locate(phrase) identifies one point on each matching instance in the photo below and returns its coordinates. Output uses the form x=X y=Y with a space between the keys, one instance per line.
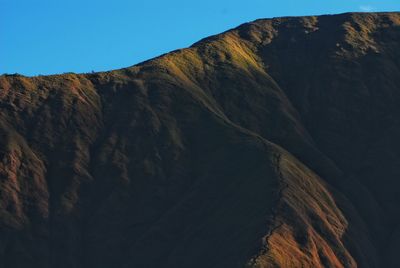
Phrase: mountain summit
x=274 y=144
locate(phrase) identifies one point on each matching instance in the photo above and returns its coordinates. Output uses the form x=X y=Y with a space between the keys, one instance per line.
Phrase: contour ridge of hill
x=274 y=144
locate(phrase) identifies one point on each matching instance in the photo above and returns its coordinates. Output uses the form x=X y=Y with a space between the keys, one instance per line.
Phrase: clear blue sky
x=56 y=36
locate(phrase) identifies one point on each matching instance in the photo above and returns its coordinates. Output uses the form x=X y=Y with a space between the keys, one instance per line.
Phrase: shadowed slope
x=270 y=145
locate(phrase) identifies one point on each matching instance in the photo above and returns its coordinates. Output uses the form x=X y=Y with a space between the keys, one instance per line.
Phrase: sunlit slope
x=271 y=145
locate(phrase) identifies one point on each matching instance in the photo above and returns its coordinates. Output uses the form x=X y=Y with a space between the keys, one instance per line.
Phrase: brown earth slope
x=274 y=144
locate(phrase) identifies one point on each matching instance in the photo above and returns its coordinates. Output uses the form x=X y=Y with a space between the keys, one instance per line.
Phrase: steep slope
x=271 y=145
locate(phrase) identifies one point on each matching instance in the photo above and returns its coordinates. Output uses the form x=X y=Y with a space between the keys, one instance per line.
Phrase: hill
x=274 y=144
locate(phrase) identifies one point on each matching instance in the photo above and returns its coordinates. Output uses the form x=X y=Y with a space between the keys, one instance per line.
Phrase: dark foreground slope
x=274 y=144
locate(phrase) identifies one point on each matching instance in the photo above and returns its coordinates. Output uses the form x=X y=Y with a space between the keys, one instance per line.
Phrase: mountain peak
x=274 y=144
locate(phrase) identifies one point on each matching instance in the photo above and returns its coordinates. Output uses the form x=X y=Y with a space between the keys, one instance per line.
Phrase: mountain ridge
x=259 y=146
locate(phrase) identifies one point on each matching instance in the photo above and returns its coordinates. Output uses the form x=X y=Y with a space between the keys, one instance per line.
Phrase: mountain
x=274 y=144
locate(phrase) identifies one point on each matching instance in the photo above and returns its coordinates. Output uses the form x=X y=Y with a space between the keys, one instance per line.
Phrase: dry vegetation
x=274 y=144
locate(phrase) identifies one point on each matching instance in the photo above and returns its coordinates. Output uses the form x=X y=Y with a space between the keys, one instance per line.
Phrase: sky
x=39 y=37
